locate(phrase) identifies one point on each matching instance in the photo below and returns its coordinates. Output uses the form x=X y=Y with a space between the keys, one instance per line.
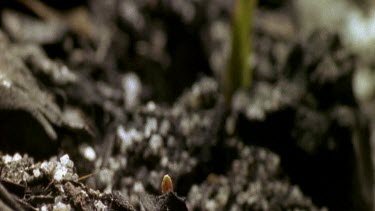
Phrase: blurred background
x=249 y=105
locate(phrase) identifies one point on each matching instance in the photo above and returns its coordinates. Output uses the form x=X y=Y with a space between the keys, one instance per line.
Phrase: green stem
x=239 y=73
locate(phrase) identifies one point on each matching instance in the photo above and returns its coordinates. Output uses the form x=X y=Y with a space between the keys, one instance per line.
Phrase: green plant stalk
x=239 y=73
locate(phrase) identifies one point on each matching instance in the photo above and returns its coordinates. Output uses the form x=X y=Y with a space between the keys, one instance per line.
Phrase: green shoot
x=239 y=73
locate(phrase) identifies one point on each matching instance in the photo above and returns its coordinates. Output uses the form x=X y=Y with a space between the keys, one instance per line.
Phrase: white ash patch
x=114 y=163
x=100 y=206
x=164 y=161
x=59 y=170
x=61 y=207
x=87 y=152
x=16 y=168
x=8 y=159
x=64 y=169
x=151 y=126
x=36 y=172
x=138 y=187
x=156 y=143
x=128 y=137
x=44 y=208
x=151 y=106
x=165 y=127
x=65 y=160
x=125 y=137
x=46 y=167
x=132 y=88
x=105 y=178
x=16 y=157
x=60 y=173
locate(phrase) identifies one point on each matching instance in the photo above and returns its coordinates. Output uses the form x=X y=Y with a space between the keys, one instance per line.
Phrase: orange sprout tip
x=166 y=184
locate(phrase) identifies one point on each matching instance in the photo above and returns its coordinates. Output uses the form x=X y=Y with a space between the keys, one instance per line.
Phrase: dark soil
x=94 y=112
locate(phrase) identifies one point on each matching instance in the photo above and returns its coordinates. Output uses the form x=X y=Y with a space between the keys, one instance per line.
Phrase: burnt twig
x=9 y=199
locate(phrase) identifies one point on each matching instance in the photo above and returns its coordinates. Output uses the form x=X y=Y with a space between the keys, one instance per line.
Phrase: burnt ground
x=100 y=99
